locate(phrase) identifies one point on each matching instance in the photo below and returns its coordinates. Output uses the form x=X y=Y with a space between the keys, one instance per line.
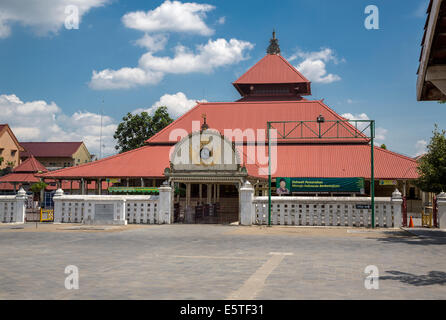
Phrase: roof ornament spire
x=204 y=126
x=273 y=47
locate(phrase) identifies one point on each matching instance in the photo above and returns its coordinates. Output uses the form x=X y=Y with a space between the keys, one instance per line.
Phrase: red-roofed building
x=56 y=155
x=271 y=90
x=9 y=148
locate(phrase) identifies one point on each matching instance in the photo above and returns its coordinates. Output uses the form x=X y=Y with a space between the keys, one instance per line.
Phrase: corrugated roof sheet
x=271 y=69
x=49 y=149
x=30 y=165
x=148 y=161
x=255 y=115
x=295 y=160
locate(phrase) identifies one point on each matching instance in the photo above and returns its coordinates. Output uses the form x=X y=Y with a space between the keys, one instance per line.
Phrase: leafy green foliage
x=383 y=146
x=432 y=166
x=38 y=186
x=135 y=129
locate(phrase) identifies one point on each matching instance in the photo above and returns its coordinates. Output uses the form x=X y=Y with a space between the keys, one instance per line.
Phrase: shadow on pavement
x=421 y=238
x=433 y=277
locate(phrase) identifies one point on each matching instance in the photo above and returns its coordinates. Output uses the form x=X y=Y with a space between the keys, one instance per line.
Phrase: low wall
x=320 y=211
x=113 y=209
x=328 y=211
x=12 y=208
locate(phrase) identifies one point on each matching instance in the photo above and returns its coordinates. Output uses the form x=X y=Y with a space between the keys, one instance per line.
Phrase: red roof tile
x=338 y=161
x=30 y=165
x=143 y=162
x=272 y=69
x=50 y=149
x=19 y=177
x=255 y=115
x=302 y=160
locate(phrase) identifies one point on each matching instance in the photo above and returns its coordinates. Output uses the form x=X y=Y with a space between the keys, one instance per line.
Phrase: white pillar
x=246 y=204
x=20 y=206
x=58 y=205
x=397 y=201
x=165 y=204
x=441 y=202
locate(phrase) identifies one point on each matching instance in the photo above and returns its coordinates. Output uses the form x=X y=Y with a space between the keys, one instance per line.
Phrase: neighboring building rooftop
x=30 y=165
x=431 y=83
x=5 y=128
x=50 y=149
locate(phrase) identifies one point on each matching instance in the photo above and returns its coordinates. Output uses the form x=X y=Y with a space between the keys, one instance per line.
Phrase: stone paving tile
x=211 y=262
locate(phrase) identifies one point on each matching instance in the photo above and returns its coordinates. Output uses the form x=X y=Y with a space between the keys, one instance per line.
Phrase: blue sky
x=47 y=79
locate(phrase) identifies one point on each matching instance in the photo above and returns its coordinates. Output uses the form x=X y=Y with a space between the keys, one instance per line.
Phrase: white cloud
x=43 y=16
x=152 y=43
x=313 y=65
x=420 y=147
x=177 y=104
x=208 y=57
x=221 y=20
x=123 y=78
x=151 y=69
x=42 y=121
x=171 y=16
x=380 y=133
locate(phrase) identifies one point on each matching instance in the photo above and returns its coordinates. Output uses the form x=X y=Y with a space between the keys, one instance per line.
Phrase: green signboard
x=288 y=185
x=133 y=190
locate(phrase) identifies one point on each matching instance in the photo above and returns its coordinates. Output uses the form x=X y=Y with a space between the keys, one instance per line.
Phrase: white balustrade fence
x=113 y=209
x=12 y=208
x=329 y=211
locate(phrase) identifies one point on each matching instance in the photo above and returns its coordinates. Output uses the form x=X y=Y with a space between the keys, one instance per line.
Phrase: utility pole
x=100 y=134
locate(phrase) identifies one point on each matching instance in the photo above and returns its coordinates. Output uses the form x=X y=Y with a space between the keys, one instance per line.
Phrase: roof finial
x=204 y=126
x=273 y=47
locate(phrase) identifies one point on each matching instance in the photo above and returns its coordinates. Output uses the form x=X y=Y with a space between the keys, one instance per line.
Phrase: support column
x=441 y=202
x=188 y=192
x=247 y=213
x=200 y=192
x=99 y=183
x=209 y=193
x=82 y=186
x=397 y=200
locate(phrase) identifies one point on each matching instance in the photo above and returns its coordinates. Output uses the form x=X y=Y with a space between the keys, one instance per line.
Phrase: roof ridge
x=170 y=124
x=396 y=153
x=293 y=68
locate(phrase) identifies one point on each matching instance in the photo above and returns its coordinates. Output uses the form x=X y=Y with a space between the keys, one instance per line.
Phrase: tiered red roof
x=327 y=157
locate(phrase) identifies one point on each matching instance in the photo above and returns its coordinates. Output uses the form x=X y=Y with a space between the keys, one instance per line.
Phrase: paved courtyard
x=219 y=262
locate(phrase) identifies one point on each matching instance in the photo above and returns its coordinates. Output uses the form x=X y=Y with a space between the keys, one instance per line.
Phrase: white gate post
x=20 y=206
x=246 y=204
x=57 y=206
x=165 y=204
x=397 y=201
x=441 y=202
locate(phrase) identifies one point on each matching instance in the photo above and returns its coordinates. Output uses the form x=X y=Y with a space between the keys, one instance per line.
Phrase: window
x=13 y=153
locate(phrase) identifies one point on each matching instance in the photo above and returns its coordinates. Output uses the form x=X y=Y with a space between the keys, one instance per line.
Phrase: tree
x=432 y=166
x=383 y=146
x=135 y=129
x=38 y=188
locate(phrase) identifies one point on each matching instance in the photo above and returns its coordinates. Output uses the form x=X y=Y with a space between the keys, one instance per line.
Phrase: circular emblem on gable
x=205 y=153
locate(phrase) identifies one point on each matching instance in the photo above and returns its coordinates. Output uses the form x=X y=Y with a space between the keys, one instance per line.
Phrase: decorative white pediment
x=205 y=150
